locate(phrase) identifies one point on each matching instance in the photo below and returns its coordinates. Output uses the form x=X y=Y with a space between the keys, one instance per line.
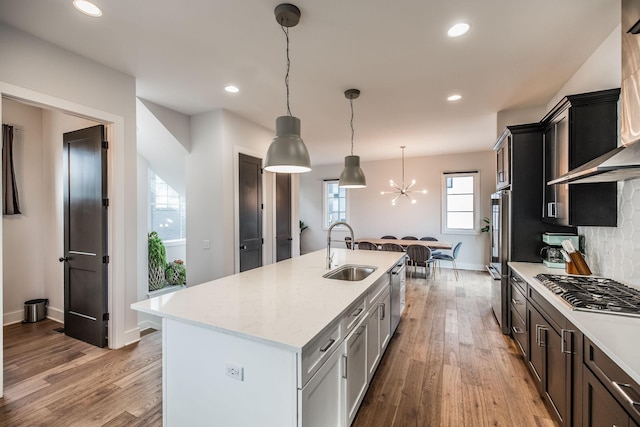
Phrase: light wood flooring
x=447 y=365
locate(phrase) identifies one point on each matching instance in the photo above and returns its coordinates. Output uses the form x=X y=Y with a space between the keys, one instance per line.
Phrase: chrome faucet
x=329 y=254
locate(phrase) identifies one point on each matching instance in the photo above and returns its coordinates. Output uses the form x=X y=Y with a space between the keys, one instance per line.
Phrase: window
x=167 y=209
x=334 y=203
x=460 y=202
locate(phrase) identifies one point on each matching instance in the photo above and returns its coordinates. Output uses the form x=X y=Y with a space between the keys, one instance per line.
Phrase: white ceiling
x=518 y=54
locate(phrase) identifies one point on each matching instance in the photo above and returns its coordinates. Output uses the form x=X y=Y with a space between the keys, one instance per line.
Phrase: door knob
x=63 y=259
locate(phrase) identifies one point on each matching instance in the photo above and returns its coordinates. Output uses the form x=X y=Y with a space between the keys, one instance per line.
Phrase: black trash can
x=35 y=310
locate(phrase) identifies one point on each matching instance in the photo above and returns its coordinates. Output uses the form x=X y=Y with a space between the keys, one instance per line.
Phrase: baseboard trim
x=131 y=336
x=12 y=317
x=55 y=314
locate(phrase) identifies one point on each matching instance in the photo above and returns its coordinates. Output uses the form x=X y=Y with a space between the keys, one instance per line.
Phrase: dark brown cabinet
x=600 y=408
x=610 y=396
x=503 y=161
x=552 y=349
x=579 y=129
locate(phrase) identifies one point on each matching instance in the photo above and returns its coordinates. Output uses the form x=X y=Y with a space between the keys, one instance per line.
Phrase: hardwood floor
x=447 y=365
x=53 y=380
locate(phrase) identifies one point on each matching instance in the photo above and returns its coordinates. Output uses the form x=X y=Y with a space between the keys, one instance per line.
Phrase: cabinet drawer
x=353 y=316
x=314 y=355
x=379 y=288
x=618 y=383
x=518 y=301
x=556 y=320
x=519 y=331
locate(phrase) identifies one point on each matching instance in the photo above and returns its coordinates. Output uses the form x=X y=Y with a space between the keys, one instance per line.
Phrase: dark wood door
x=85 y=235
x=555 y=372
x=250 y=212
x=599 y=407
x=283 y=216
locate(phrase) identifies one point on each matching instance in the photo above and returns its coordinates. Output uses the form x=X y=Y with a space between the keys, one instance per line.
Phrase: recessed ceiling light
x=232 y=89
x=455 y=97
x=458 y=29
x=87 y=8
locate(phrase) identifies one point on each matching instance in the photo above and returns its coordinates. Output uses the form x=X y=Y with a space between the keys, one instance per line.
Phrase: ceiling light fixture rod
x=286 y=77
x=352 y=175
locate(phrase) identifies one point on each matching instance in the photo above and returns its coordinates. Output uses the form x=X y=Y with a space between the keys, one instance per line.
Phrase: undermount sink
x=350 y=272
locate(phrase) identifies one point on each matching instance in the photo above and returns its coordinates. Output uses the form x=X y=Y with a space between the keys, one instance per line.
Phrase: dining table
x=432 y=244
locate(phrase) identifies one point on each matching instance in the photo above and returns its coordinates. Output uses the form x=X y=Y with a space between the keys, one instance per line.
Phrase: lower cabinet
x=333 y=395
x=356 y=372
x=600 y=408
x=322 y=398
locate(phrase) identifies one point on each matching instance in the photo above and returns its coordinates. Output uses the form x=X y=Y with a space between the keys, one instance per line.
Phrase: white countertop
x=616 y=335
x=285 y=304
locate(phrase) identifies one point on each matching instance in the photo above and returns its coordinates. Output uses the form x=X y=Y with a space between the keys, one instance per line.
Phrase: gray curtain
x=10 y=200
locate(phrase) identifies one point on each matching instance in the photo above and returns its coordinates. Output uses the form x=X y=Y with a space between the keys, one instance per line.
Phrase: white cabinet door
x=356 y=369
x=373 y=338
x=385 y=322
x=322 y=398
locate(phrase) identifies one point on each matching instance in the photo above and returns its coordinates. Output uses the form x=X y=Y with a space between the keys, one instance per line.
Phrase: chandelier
x=403 y=190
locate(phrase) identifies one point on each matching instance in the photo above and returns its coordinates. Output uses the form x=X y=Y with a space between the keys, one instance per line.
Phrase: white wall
x=212 y=188
x=22 y=238
x=372 y=215
x=611 y=251
x=35 y=70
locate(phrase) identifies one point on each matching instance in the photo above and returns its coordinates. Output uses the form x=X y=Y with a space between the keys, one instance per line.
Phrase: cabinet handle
x=624 y=394
x=357 y=312
x=517 y=330
x=563 y=346
x=516 y=301
x=543 y=329
x=539 y=329
x=538 y=335
x=361 y=330
x=551 y=209
x=383 y=315
x=328 y=345
x=344 y=366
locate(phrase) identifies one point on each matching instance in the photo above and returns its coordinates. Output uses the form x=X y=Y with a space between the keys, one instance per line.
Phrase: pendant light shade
x=287 y=152
x=352 y=175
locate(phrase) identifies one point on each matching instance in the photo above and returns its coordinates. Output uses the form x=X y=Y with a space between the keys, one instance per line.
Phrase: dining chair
x=389 y=237
x=431 y=239
x=420 y=256
x=392 y=247
x=367 y=246
x=348 y=242
x=452 y=257
x=409 y=238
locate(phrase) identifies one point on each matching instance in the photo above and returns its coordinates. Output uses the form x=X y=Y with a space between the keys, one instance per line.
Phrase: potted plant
x=176 y=273
x=157 y=261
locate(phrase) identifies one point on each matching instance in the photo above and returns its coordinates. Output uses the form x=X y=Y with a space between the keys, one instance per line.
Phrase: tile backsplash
x=614 y=252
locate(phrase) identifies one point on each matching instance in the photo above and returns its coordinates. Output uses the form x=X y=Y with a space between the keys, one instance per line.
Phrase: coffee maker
x=550 y=254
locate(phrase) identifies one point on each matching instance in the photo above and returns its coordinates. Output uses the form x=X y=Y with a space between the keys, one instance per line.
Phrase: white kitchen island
x=275 y=346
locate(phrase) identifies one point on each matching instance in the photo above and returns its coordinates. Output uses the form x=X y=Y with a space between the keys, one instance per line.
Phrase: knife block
x=570 y=268
x=579 y=263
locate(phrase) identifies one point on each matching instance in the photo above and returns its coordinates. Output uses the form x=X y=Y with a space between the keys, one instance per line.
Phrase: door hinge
x=105 y=145
x=105 y=259
x=105 y=203
x=105 y=316
x=261 y=171
x=262 y=241
x=262 y=206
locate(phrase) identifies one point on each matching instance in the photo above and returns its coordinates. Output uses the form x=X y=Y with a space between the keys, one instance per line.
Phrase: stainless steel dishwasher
x=397 y=279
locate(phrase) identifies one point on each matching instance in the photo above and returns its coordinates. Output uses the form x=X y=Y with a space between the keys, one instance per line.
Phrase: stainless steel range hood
x=622 y=163
x=619 y=164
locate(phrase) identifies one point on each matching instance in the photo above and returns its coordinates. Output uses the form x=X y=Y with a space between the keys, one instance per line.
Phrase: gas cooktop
x=598 y=294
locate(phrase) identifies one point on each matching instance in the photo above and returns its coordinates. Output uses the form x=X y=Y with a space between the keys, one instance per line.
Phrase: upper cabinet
x=503 y=161
x=577 y=130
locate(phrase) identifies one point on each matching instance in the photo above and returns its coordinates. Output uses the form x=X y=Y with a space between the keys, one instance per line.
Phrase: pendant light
x=352 y=176
x=287 y=152
x=402 y=190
